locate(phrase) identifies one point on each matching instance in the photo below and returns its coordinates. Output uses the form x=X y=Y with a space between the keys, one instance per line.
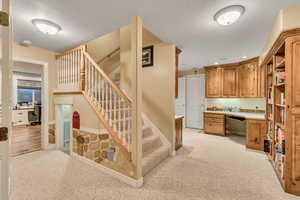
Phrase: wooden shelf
x=280 y=105
x=280 y=85
x=280 y=64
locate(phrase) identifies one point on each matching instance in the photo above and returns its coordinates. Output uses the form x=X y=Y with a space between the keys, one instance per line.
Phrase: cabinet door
x=256 y=132
x=262 y=81
x=212 y=82
x=248 y=80
x=229 y=82
x=178 y=128
x=293 y=112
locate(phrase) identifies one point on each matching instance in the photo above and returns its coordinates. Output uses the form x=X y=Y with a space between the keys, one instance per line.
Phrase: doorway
x=65 y=128
x=27 y=103
x=195 y=101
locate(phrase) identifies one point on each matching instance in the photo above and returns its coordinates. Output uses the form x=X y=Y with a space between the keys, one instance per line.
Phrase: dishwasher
x=235 y=126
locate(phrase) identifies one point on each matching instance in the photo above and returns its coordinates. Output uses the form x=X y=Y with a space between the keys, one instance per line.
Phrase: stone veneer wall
x=51 y=133
x=96 y=147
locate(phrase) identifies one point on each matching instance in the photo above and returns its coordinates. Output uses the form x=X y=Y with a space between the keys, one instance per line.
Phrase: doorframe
x=58 y=101
x=6 y=65
x=45 y=98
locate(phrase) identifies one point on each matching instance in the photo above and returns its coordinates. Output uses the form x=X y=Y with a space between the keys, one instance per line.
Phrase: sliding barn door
x=195 y=101
x=5 y=96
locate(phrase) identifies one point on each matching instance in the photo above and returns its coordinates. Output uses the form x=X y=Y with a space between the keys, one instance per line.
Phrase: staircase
x=77 y=71
x=154 y=150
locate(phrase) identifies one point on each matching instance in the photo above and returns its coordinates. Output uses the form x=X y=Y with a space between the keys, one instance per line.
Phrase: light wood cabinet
x=229 y=82
x=283 y=109
x=214 y=123
x=292 y=127
x=178 y=129
x=236 y=80
x=262 y=81
x=248 y=80
x=256 y=133
x=212 y=82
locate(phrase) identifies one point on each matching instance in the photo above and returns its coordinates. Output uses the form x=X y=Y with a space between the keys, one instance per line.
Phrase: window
x=28 y=95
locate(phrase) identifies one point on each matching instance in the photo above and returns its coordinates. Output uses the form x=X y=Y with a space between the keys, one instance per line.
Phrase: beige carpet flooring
x=207 y=168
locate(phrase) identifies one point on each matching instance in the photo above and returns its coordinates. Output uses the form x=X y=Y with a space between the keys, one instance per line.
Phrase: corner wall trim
x=130 y=181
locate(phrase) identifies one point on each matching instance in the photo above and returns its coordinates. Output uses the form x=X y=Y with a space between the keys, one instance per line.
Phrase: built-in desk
x=256 y=127
x=20 y=116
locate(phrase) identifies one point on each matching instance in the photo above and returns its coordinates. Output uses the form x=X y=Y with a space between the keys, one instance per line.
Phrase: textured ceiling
x=188 y=24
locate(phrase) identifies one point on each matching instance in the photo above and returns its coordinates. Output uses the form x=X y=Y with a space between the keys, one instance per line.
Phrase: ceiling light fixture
x=244 y=57
x=46 y=26
x=229 y=15
x=216 y=63
x=26 y=43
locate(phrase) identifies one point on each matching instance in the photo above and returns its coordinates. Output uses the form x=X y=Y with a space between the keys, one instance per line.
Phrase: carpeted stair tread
x=150 y=144
x=147 y=132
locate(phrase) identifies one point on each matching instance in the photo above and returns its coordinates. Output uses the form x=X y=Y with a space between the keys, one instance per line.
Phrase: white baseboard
x=130 y=181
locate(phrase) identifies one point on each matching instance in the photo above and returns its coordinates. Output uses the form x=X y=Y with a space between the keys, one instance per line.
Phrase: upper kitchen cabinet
x=235 y=80
x=213 y=82
x=262 y=81
x=248 y=80
x=229 y=82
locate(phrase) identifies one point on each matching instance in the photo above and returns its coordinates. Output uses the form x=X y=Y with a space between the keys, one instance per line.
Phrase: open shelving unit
x=282 y=143
x=276 y=111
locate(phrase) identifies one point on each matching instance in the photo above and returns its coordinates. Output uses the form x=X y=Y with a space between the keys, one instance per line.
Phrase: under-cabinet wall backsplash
x=253 y=103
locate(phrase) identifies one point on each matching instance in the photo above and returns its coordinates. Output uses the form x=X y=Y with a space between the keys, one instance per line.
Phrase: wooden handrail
x=81 y=47
x=113 y=85
x=108 y=55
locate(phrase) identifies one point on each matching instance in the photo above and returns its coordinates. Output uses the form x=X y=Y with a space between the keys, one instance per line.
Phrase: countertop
x=179 y=116
x=246 y=115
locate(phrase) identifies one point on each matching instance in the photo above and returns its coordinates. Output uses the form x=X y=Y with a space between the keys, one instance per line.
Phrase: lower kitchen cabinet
x=178 y=129
x=214 y=123
x=256 y=133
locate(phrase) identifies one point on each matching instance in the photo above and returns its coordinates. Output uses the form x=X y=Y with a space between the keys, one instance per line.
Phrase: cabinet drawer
x=214 y=120
x=213 y=115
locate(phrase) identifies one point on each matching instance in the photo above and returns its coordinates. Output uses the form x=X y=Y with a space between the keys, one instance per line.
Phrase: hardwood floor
x=25 y=139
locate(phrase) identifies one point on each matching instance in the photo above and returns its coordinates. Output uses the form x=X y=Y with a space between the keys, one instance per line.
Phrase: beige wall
x=287 y=19
x=159 y=90
x=158 y=81
x=41 y=55
x=102 y=46
x=125 y=60
x=88 y=117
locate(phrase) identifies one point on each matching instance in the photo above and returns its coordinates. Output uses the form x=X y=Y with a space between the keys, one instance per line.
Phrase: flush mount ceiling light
x=46 y=26
x=229 y=15
x=244 y=57
x=26 y=43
